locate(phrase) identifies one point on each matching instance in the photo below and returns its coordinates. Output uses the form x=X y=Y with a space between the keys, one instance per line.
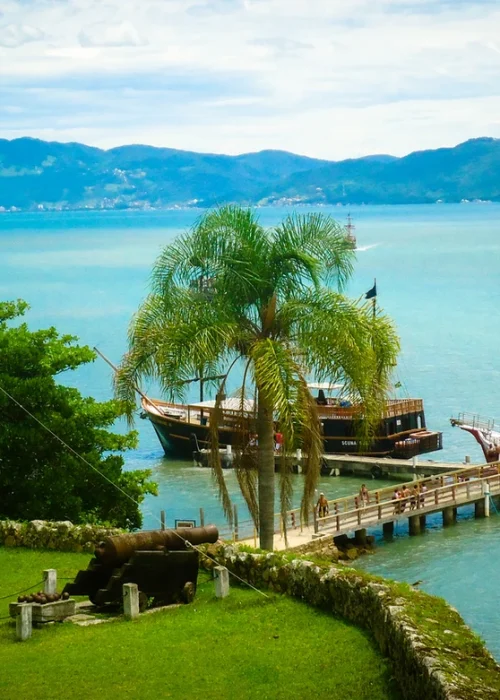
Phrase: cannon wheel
x=143 y=601
x=188 y=592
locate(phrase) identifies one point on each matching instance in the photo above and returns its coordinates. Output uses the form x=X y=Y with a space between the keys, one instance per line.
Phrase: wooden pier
x=356 y=465
x=377 y=468
x=373 y=467
x=442 y=494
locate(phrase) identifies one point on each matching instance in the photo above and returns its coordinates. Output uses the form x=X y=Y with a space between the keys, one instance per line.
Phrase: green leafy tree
x=230 y=290
x=39 y=477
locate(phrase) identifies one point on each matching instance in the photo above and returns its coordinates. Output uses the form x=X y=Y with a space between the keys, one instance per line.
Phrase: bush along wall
x=434 y=655
x=64 y=536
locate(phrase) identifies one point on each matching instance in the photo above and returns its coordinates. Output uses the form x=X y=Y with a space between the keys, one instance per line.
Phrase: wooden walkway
x=382 y=467
x=445 y=493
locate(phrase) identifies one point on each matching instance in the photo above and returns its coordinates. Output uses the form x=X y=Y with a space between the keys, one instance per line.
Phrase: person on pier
x=322 y=506
x=396 y=497
x=423 y=491
x=364 y=496
x=414 y=498
x=405 y=497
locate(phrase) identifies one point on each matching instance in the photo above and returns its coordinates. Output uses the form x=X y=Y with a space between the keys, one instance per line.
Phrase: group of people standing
x=404 y=496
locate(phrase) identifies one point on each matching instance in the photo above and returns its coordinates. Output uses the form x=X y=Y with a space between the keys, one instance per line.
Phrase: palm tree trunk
x=265 y=430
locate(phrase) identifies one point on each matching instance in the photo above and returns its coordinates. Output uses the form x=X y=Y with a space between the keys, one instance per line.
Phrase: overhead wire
x=119 y=488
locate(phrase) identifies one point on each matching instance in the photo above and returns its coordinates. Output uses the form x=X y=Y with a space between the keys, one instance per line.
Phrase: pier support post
x=360 y=537
x=449 y=516
x=131 y=600
x=423 y=522
x=479 y=509
x=388 y=529
x=221 y=578
x=486 y=491
x=414 y=524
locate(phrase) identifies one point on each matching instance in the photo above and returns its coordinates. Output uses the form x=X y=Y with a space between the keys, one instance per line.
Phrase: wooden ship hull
x=486 y=431
x=183 y=429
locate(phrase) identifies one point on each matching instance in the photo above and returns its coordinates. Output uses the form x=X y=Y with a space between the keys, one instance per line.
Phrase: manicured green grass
x=245 y=646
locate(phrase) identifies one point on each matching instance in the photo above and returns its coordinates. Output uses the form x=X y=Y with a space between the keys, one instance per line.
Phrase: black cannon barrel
x=118 y=549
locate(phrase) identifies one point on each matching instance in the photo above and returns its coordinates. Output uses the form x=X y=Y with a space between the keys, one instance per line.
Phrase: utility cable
x=85 y=461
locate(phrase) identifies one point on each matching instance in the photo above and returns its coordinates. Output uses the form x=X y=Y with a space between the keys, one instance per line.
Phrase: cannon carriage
x=162 y=563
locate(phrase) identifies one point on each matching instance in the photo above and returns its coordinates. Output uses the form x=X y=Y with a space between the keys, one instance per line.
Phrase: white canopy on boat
x=326 y=386
x=230 y=404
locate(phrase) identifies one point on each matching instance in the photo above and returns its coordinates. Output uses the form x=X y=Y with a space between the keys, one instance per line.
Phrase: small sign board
x=185 y=523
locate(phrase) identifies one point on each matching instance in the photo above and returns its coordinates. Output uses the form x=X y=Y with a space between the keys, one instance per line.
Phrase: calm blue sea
x=438 y=275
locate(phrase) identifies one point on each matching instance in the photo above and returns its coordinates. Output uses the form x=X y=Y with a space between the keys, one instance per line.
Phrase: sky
x=325 y=78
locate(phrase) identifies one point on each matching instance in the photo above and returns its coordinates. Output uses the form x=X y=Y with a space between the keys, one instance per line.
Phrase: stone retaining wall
x=434 y=655
x=41 y=534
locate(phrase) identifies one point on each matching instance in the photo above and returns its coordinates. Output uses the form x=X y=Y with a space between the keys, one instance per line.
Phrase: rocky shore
x=434 y=654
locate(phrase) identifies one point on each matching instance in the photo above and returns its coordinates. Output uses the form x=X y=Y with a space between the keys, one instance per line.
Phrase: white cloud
x=14 y=35
x=323 y=77
x=102 y=34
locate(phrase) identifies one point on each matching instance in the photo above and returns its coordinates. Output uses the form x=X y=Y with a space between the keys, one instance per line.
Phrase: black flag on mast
x=371 y=293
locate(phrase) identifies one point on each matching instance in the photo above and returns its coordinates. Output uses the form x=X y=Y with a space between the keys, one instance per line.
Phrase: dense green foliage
x=244 y=646
x=39 y=477
x=72 y=175
x=229 y=291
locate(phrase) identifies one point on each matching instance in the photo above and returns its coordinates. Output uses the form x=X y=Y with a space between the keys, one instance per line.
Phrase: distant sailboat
x=351 y=237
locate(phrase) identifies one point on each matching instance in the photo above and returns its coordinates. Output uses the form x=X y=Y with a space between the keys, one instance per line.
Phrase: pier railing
x=354 y=512
x=462 y=486
x=475 y=421
x=393 y=408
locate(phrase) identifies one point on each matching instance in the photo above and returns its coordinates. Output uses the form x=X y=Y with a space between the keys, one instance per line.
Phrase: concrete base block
x=24 y=624
x=130 y=600
x=50 y=581
x=221 y=577
x=423 y=521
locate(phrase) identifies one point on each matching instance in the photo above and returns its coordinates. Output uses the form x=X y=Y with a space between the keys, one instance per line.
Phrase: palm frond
x=340 y=341
x=312 y=446
x=214 y=457
x=314 y=247
x=245 y=452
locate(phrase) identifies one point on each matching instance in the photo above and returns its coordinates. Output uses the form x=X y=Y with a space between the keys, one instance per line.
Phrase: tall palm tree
x=231 y=290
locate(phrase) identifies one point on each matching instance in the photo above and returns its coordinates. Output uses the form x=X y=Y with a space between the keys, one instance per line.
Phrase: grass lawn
x=245 y=646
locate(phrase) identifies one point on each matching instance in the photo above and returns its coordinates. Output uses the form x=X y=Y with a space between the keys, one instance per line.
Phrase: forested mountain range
x=38 y=174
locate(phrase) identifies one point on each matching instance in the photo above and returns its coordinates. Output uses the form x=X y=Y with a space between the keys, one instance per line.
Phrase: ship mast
x=350 y=228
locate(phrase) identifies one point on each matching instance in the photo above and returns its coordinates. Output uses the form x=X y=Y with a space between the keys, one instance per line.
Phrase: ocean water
x=437 y=272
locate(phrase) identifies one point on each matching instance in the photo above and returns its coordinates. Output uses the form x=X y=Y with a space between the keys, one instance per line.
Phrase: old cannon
x=161 y=562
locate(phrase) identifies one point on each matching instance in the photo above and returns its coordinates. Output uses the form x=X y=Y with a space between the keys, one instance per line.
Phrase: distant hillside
x=37 y=174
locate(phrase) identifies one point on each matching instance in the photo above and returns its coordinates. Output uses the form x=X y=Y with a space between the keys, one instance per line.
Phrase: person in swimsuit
x=322 y=506
x=413 y=498
x=364 y=495
x=397 y=504
x=405 y=497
